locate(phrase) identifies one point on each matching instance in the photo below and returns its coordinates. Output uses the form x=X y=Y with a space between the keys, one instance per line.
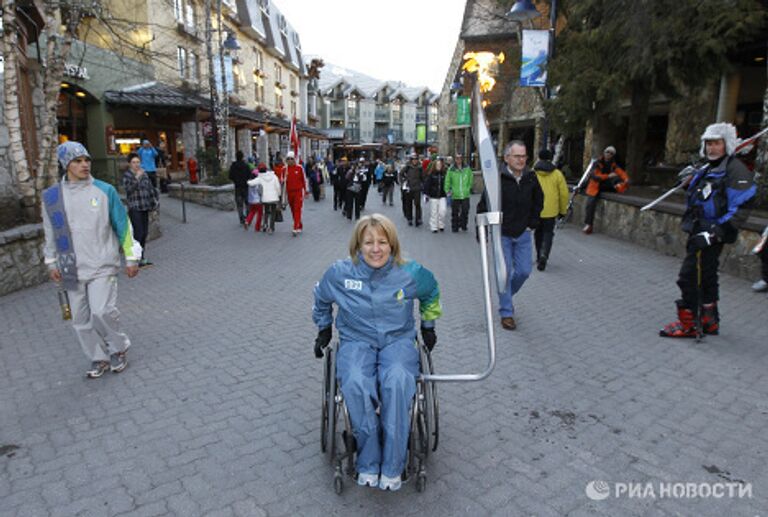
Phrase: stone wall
x=21 y=258
x=21 y=255
x=220 y=198
x=619 y=216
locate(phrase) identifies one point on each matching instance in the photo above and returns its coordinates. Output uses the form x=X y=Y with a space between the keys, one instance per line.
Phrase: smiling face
x=79 y=169
x=375 y=247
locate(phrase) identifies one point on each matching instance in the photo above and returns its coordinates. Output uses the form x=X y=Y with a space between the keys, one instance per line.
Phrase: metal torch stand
x=484 y=221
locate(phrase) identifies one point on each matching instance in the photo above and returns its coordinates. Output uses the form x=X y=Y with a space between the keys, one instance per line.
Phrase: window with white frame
x=189 y=17
x=181 y=57
x=193 y=64
x=293 y=108
x=259 y=59
x=258 y=83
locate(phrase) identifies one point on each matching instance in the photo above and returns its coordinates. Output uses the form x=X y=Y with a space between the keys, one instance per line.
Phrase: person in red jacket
x=296 y=188
x=607 y=176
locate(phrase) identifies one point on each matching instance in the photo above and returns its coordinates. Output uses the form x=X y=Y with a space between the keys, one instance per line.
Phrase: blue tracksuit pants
x=373 y=377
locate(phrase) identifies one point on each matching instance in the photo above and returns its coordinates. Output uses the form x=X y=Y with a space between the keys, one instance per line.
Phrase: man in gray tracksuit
x=86 y=226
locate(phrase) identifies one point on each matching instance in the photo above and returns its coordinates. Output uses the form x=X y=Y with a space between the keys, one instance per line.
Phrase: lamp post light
x=522 y=11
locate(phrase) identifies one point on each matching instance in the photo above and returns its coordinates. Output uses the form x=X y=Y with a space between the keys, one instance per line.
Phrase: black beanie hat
x=545 y=154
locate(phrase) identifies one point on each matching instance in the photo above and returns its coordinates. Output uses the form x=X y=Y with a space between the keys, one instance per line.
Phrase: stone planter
x=659 y=229
x=220 y=198
x=21 y=258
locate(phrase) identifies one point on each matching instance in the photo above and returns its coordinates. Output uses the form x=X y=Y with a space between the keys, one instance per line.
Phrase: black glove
x=429 y=337
x=702 y=240
x=322 y=340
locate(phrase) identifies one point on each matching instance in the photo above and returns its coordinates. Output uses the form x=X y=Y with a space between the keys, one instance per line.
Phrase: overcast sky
x=406 y=40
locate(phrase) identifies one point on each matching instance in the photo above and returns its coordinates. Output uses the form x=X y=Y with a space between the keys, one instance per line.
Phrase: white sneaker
x=368 y=480
x=760 y=286
x=392 y=484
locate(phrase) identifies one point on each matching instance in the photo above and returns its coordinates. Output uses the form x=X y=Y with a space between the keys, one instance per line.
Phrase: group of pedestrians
x=263 y=193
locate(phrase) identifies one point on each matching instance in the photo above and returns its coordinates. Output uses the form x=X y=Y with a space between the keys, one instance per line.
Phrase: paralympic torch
x=482 y=66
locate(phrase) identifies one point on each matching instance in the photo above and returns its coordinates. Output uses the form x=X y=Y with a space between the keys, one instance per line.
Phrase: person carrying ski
x=717 y=199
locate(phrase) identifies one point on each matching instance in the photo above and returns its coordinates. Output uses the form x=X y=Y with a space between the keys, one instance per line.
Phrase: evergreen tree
x=614 y=50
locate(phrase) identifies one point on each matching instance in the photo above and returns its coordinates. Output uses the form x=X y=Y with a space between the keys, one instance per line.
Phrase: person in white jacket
x=270 y=195
x=86 y=226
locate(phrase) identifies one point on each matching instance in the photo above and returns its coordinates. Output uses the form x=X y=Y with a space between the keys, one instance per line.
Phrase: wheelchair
x=337 y=439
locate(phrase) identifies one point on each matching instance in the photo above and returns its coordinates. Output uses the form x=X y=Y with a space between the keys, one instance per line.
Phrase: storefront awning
x=155 y=94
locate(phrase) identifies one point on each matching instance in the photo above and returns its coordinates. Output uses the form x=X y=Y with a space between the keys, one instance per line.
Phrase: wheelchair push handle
x=483 y=221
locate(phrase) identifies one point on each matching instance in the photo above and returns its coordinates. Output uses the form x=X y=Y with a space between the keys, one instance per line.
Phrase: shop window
x=72 y=121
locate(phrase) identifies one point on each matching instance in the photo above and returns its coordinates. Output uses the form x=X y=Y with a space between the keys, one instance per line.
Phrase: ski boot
x=684 y=327
x=710 y=319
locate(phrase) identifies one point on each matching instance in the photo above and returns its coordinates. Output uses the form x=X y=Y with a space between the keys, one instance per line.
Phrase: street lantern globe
x=522 y=11
x=231 y=42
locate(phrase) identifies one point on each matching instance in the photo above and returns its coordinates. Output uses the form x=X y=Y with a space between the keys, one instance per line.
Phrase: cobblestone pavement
x=218 y=412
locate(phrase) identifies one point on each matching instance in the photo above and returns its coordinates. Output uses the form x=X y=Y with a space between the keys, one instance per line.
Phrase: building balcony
x=352 y=134
x=382 y=114
x=337 y=112
x=353 y=114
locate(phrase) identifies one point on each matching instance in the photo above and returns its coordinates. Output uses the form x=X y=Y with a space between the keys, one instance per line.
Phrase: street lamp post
x=522 y=11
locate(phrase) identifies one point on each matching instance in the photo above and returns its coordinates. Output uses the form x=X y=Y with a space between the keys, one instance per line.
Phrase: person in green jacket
x=458 y=185
x=555 y=190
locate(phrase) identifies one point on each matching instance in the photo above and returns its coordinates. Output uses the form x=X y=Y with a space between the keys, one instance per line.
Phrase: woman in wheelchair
x=378 y=359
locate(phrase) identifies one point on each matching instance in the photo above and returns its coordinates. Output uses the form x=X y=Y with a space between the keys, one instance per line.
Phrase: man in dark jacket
x=412 y=182
x=521 y=202
x=239 y=173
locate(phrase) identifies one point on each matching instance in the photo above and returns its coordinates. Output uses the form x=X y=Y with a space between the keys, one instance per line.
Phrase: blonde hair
x=375 y=222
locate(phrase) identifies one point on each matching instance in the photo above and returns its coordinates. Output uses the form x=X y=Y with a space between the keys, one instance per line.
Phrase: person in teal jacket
x=458 y=185
x=378 y=360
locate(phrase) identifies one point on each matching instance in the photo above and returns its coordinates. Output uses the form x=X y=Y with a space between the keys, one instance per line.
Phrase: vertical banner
x=421 y=133
x=533 y=67
x=462 y=111
x=229 y=77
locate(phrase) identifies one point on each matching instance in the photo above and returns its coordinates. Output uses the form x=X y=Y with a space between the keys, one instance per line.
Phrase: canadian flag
x=295 y=142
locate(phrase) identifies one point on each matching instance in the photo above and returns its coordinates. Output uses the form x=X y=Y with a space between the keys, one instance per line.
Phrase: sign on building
x=462 y=111
x=533 y=66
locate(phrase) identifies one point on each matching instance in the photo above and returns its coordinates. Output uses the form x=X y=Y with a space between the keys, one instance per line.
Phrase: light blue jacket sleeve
x=322 y=309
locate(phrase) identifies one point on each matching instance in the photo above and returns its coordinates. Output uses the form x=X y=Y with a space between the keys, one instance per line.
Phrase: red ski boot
x=684 y=327
x=710 y=318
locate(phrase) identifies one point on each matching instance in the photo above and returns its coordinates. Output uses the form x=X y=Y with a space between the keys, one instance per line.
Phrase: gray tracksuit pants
x=96 y=319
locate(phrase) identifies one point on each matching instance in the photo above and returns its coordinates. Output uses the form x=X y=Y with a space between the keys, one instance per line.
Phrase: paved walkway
x=218 y=412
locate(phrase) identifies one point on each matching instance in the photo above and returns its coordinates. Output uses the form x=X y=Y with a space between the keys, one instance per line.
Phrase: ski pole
x=699 y=330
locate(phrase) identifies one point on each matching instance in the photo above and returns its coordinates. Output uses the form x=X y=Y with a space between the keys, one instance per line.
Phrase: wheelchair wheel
x=417 y=441
x=421 y=482
x=338 y=484
x=433 y=407
x=327 y=378
x=333 y=409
